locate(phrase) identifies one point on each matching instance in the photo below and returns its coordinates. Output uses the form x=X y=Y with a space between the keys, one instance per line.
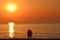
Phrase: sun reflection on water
x=11 y=29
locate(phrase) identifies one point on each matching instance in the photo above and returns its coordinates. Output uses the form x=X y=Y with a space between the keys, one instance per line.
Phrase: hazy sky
x=31 y=11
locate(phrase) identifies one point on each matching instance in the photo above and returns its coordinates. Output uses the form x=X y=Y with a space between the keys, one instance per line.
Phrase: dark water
x=40 y=30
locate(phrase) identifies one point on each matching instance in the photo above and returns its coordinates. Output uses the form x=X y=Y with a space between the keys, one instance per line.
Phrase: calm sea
x=40 y=30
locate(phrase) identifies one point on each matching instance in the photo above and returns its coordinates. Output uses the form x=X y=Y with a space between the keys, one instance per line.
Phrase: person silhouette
x=29 y=33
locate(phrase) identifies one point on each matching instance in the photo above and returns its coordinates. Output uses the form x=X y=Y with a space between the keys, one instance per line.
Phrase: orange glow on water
x=11 y=29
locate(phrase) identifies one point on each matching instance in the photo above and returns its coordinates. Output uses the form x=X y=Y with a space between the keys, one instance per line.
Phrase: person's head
x=29 y=29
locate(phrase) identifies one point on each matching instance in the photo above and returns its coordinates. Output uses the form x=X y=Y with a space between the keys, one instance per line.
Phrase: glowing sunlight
x=11 y=7
x=11 y=29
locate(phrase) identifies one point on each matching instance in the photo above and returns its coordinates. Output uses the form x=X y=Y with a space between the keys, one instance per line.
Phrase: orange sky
x=31 y=11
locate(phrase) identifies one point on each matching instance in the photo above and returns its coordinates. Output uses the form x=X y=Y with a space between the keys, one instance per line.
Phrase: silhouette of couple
x=29 y=33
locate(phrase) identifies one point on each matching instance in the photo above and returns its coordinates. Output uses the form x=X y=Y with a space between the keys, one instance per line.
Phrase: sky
x=30 y=11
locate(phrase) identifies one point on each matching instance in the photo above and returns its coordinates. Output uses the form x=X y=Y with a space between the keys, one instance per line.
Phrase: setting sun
x=11 y=7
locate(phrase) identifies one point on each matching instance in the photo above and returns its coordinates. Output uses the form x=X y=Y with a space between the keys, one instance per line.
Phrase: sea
x=39 y=30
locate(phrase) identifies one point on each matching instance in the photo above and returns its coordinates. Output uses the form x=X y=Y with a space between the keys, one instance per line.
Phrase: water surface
x=40 y=30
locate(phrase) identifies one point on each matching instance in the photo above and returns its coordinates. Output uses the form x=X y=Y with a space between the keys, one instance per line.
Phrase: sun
x=11 y=7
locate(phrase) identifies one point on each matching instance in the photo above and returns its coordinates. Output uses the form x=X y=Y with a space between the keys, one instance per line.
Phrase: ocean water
x=40 y=30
